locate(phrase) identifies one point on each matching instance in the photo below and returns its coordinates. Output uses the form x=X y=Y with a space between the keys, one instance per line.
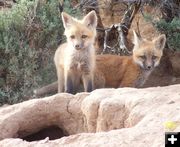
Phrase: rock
x=106 y=117
x=25 y=118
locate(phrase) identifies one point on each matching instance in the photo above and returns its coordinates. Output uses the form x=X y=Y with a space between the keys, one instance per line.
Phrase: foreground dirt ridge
x=137 y=115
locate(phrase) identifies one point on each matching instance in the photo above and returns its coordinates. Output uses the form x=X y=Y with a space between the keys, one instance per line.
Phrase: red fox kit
x=75 y=59
x=129 y=71
x=124 y=71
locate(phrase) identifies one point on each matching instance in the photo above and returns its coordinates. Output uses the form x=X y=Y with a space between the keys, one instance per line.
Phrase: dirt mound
x=121 y=116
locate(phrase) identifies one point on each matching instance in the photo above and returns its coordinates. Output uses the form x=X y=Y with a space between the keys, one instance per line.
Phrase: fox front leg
x=60 y=74
x=87 y=82
x=87 y=77
x=69 y=86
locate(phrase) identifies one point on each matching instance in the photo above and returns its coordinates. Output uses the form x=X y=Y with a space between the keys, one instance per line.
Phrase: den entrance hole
x=53 y=132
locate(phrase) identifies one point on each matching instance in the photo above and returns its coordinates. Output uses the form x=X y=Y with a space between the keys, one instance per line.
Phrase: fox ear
x=90 y=19
x=137 y=38
x=67 y=19
x=160 y=42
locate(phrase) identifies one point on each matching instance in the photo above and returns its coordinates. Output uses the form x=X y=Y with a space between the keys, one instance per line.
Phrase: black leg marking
x=89 y=86
x=69 y=85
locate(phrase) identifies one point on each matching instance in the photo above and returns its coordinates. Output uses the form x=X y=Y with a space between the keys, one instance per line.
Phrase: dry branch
x=122 y=29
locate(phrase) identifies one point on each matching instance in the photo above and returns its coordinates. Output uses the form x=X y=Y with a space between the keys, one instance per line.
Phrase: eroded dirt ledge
x=123 y=117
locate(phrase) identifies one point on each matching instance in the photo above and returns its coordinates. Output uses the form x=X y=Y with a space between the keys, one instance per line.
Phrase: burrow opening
x=53 y=132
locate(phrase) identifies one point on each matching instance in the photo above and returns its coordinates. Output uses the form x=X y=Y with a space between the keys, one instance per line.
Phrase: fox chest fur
x=79 y=61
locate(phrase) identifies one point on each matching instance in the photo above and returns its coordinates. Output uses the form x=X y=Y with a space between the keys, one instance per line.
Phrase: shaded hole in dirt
x=53 y=132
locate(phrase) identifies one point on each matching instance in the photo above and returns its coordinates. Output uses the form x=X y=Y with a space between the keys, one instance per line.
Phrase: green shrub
x=29 y=35
x=172 y=31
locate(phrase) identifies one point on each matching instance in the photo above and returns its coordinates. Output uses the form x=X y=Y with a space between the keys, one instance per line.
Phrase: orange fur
x=129 y=71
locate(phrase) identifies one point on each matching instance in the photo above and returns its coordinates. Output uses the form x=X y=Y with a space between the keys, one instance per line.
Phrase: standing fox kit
x=75 y=59
x=130 y=71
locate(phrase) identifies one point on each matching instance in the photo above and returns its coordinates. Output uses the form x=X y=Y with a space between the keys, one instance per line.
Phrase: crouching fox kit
x=125 y=71
x=130 y=71
x=75 y=59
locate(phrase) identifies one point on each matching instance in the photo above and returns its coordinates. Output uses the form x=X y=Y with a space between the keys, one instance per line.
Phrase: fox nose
x=149 y=67
x=77 y=46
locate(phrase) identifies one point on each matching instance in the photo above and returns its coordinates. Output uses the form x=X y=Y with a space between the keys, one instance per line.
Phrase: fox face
x=146 y=53
x=80 y=33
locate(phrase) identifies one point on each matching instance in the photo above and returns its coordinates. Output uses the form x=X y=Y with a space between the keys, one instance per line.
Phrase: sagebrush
x=29 y=35
x=172 y=31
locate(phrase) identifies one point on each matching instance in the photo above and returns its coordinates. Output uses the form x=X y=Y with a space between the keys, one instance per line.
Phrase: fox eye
x=84 y=36
x=142 y=57
x=154 y=57
x=72 y=36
